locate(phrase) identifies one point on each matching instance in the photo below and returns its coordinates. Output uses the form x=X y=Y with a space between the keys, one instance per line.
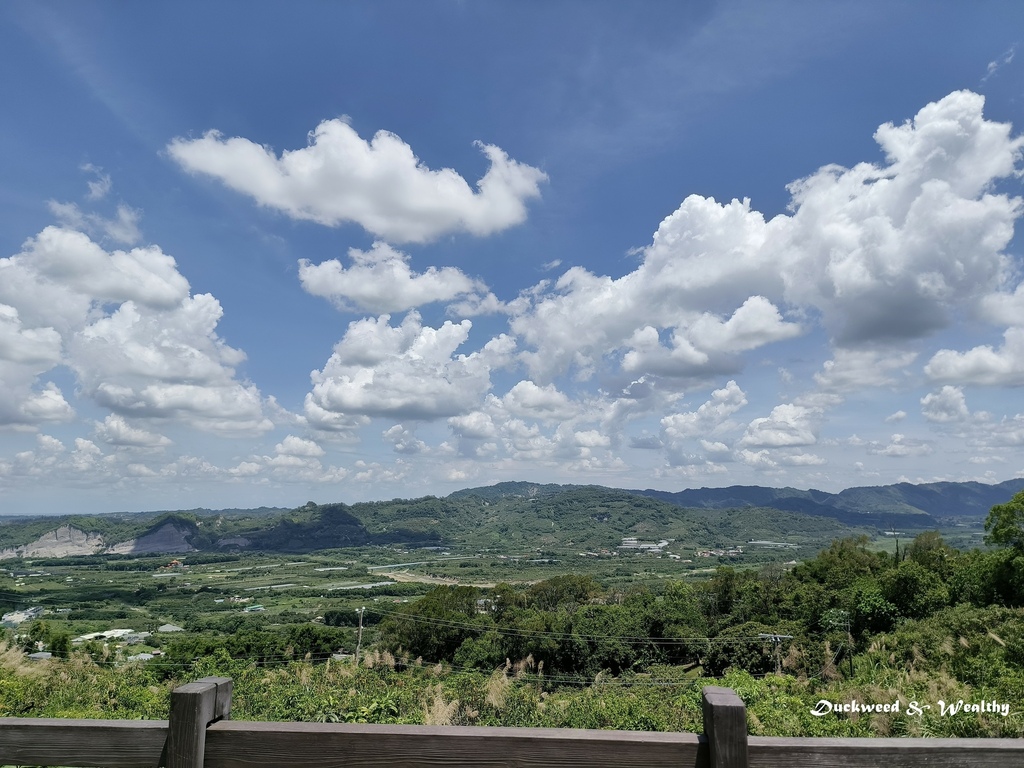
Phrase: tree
x=844 y=561
x=914 y=590
x=929 y=550
x=38 y=633
x=563 y=592
x=742 y=647
x=435 y=626
x=1005 y=523
x=871 y=611
x=60 y=644
x=988 y=578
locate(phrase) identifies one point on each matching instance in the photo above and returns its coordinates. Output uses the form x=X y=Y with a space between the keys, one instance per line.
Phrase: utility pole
x=849 y=639
x=841 y=619
x=359 y=637
x=777 y=640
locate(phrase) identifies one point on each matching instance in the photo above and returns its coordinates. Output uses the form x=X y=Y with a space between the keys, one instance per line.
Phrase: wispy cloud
x=997 y=64
x=100 y=186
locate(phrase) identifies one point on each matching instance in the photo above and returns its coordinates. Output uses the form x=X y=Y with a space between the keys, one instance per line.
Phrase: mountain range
x=899 y=504
x=517 y=514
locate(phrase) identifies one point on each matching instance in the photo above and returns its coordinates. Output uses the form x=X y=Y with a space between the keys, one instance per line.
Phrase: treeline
x=112 y=562
x=811 y=620
x=242 y=638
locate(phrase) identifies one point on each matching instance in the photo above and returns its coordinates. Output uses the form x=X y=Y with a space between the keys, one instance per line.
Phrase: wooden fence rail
x=200 y=734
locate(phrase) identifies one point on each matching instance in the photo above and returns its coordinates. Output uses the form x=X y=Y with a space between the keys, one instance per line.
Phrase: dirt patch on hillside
x=61 y=542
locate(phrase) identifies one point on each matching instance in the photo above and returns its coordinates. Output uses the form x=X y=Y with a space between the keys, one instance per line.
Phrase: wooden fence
x=200 y=733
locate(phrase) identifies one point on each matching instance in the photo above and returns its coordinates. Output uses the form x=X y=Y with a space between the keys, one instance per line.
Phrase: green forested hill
x=936 y=499
x=523 y=514
x=587 y=517
x=509 y=516
x=903 y=504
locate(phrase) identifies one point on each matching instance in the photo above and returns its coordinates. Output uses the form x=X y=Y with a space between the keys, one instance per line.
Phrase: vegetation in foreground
x=925 y=625
x=380 y=690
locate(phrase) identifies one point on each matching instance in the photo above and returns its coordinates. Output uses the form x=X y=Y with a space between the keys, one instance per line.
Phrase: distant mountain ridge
x=898 y=504
x=520 y=514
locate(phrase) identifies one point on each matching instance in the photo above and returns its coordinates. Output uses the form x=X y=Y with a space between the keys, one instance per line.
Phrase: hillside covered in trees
x=521 y=513
x=925 y=624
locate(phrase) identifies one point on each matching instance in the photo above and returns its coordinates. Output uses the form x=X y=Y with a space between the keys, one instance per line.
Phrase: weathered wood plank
x=113 y=743
x=314 y=745
x=193 y=707
x=222 y=705
x=775 y=752
x=725 y=725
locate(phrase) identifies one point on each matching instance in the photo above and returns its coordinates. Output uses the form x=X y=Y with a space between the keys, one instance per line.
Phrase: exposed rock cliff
x=61 y=542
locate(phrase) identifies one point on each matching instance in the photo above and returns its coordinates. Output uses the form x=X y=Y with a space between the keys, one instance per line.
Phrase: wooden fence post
x=193 y=708
x=725 y=725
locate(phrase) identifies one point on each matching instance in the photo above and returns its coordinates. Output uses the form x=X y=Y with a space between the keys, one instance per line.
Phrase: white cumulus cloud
x=25 y=353
x=409 y=371
x=380 y=280
x=546 y=403
x=787 y=425
x=404 y=440
x=100 y=185
x=984 y=365
x=475 y=426
x=710 y=418
x=115 y=430
x=945 y=406
x=167 y=364
x=379 y=184
x=61 y=274
x=755 y=323
x=878 y=254
x=885 y=252
x=125 y=323
x=298 y=446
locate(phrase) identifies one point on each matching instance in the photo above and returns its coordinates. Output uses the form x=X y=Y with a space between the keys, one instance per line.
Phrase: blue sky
x=254 y=253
